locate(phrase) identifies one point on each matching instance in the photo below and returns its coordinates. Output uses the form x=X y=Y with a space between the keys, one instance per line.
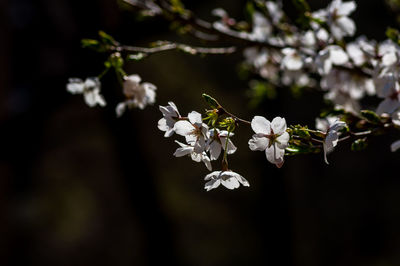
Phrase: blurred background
x=80 y=187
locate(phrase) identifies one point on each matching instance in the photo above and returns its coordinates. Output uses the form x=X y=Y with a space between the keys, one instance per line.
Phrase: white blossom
x=336 y=16
x=329 y=56
x=331 y=126
x=262 y=28
x=171 y=115
x=270 y=137
x=275 y=11
x=291 y=60
x=217 y=143
x=345 y=89
x=188 y=150
x=228 y=179
x=90 y=89
x=194 y=130
x=137 y=94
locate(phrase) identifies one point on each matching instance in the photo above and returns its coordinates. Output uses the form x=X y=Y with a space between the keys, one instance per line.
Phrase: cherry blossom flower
x=138 y=94
x=194 y=130
x=228 y=179
x=331 y=126
x=291 y=60
x=270 y=137
x=90 y=89
x=262 y=28
x=389 y=89
x=171 y=115
x=336 y=16
x=329 y=56
x=345 y=89
x=217 y=142
x=188 y=150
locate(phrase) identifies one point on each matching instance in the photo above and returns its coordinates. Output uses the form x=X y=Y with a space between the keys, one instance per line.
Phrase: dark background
x=80 y=187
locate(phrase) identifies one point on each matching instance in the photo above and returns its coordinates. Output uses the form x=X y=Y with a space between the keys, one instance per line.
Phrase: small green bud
x=359 y=144
x=371 y=116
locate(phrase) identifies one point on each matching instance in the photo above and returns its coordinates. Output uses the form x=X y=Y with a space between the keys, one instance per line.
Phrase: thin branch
x=167 y=46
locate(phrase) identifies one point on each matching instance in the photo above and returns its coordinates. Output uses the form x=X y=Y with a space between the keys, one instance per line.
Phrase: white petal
x=214 y=183
x=346 y=8
x=195 y=117
x=206 y=161
x=183 y=151
x=215 y=150
x=200 y=145
x=213 y=175
x=260 y=124
x=230 y=183
x=347 y=25
x=183 y=128
x=337 y=55
x=275 y=155
x=278 y=125
x=120 y=109
x=172 y=104
x=395 y=146
x=231 y=148
x=387 y=106
x=282 y=140
x=75 y=86
x=258 y=143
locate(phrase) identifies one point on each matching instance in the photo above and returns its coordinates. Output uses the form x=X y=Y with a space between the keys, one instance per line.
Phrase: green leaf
x=211 y=101
x=359 y=144
x=371 y=116
x=107 y=39
x=393 y=34
x=89 y=43
x=249 y=10
x=302 y=5
x=259 y=91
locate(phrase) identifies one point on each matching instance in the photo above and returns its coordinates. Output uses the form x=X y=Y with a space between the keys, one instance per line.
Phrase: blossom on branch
x=137 y=94
x=270 y=137
x=171 y=115
x=331 y=126
x=90 y=88
x=194 y=130
x=217 y=142
x=185 y=150
x=228 y=179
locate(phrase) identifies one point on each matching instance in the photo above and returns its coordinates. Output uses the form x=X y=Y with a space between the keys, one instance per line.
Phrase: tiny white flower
x=171 y=115
x=262 y=28
x=395 y=146
x=188 y=150
x=332 y=133
x=337 y=18
x=275 y=11
x=138 y=94
x=329 y=56
x=228 y=179
x=194 y=130
x=90 y=90
x=270 y=137
x=217 y=143
x=292 y=59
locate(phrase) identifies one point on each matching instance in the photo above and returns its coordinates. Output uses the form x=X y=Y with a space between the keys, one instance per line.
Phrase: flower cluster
x=316 y=55
x=138 y=95
x=203 y=144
